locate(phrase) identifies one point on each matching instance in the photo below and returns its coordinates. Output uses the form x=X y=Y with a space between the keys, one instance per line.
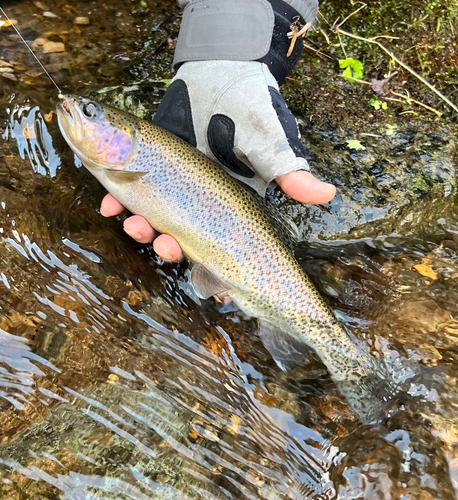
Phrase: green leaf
x=355 y=144
x=348 y=74
x=358 y=69
x=375 y=103
x=344 y=63
x=353 y=68
x=378 y=104
x=390 y=129
x=165 y=81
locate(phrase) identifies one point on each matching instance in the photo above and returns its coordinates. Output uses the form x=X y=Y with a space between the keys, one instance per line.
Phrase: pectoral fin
x=123 y=175
x=205 y=283
x=286 y=351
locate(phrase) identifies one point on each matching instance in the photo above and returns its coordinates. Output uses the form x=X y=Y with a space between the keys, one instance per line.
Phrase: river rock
x=53 y=47
x=82 y=21
x=40 y=5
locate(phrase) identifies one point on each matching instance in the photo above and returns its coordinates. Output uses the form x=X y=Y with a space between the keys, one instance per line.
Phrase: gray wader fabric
x=239 y=30
x=306 y=8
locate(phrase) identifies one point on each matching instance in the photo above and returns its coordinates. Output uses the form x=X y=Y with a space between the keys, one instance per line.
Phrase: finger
x=168 y=248
x=110 y=206
x=139 y=229
x=304 y=187
x=225 y=300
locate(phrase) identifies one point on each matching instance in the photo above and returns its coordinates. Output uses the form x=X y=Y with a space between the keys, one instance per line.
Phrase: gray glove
x=224 y=98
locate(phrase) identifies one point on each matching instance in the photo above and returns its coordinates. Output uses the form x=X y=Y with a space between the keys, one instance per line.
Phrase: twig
x=326 y=36
x=319 y=49
x=389 y=37
x=350 y=77
x=438 y=113
x=318 y=52
x=406 y=98
x=363 y=6
x=410 y=70
x=341 y=45
x=295 y=33
x=325 y=20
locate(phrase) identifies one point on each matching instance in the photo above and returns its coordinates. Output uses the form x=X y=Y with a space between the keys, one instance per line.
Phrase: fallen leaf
x=28 y=132
x=234 y=427
x=48 y=116
x=425 y=271
x=193 y=435
x=76 y=30
x=69 y=8
x=7 y=24
x=381 y=87
x=355 y=144
x=83 y=21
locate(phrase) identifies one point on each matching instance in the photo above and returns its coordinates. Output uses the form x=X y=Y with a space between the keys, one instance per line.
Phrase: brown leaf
x=48 y=116
x=381 y=87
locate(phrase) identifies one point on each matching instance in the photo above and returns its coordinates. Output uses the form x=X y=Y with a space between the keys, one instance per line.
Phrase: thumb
x=304 y=187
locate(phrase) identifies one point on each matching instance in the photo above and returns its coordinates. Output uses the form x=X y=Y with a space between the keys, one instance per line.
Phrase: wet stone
x=41 y=5
x=39 y=41
x=82 y=21
x=53 y=47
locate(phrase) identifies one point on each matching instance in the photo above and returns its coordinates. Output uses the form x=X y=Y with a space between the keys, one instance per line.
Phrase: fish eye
x=91 y=110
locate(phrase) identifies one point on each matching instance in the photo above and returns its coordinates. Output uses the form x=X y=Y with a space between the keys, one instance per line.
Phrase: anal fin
x=286 y=350
x=205 y=283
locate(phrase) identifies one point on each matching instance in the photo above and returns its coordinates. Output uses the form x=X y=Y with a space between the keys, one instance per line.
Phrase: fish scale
x=228 y=237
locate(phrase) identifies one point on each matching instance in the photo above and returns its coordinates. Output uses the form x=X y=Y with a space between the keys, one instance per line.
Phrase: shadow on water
x=115 y=383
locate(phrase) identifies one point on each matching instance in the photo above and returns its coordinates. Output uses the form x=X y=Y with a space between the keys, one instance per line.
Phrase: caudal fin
x=369 y=397
x=369 y=388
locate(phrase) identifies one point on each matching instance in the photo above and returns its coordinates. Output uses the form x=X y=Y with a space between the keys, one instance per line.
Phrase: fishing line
x=60 y=95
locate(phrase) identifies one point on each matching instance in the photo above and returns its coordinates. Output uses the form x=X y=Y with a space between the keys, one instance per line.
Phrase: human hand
x=231 y=110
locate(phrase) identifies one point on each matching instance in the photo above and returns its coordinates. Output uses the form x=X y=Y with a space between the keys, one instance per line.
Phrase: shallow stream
x=115 y=383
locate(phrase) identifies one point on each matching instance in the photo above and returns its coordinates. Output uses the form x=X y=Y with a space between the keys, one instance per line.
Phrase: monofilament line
x=60 y=95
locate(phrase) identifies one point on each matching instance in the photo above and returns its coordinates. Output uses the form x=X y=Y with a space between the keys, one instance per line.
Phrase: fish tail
x=369 y=395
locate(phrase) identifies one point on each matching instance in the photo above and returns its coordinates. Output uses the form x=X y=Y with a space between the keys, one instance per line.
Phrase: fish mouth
x=65 y=105
x=69 y=121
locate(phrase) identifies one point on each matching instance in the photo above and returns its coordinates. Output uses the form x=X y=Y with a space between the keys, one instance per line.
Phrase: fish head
x=101 y=136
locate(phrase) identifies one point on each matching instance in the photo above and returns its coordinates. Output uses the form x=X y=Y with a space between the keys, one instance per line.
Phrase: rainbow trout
x=234 y=249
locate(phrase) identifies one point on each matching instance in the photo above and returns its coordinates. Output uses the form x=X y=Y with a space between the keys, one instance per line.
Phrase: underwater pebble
x=52 y=47
x=83 y=21
x=10 y=76
x=49 y=14
x=39 y=41
x=40 y=5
